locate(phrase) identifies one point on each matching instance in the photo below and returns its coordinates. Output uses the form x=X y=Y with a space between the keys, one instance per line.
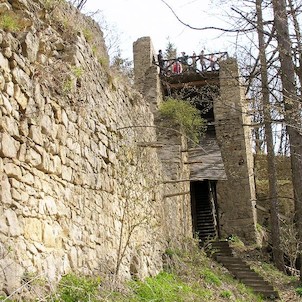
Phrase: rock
x=20 y=97
x=13 y=170
x=33 y=157
x=36 y=135
x=33 y=229
x=4 y=7
x=4 y=63
x=13 y=223
x=20 y=4
x=66 y=173
x=8 y=146
x=13 y=273
x=5 y=193
x=21 y=78
x=30 y=46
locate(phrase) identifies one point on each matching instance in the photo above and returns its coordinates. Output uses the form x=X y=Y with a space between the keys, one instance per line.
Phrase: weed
x=211 y=277
x=226 y=294
x=299 y=291
x=87 y=34
x=165 y=287
x=10 y=21
x=94 y=50
x=77 y=71
x=77 y=288
x=67 y=86
x=103 y=62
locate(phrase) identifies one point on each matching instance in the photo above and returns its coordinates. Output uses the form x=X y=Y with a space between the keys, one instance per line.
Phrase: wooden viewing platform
x=191 y=71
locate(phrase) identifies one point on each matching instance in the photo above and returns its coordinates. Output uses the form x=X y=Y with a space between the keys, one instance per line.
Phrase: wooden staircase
x=223 y=253
x=205 y=225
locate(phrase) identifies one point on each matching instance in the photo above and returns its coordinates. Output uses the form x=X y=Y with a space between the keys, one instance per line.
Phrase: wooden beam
x=176 y=194
x=192 y=84
x=175 y=181
x=150 y=144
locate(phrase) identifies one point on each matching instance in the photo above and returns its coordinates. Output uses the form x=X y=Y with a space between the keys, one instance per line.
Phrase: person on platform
x=184 y=61
x=176 y=67
x=160 y=60
x=194 y=60
x=212 y=62
x=202 y=61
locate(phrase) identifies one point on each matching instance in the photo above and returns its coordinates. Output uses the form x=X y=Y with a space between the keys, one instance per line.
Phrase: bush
x=185 y=115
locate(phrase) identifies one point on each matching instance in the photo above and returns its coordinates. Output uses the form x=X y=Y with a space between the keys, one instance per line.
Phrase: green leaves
x=183 y=114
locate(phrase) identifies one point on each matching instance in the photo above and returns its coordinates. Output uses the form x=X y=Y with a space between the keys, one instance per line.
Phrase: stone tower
x=234 y=187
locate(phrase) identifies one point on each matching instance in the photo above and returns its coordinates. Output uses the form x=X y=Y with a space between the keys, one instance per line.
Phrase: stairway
x=205 y=226
x=223 y=253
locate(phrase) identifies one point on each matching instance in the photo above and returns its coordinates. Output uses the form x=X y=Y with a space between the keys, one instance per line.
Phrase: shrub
x=185 y=115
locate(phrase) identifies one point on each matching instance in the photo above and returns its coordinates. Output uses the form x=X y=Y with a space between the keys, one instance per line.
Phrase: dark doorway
x=204 y=210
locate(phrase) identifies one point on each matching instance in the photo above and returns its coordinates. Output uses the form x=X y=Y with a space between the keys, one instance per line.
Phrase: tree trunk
x=292 y=105
x=272 y=173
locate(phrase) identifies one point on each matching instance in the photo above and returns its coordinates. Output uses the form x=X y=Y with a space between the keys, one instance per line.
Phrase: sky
x=133 y=19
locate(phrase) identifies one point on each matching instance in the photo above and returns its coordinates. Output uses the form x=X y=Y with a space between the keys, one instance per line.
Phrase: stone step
x=256 y=281
x=243 y=275
x=229 y=259
x=236 y=266
x=218 y=243
x=259 y=287
x=222 y=253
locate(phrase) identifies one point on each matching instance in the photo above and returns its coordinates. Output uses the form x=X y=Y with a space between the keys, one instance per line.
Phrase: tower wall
x=236 y=195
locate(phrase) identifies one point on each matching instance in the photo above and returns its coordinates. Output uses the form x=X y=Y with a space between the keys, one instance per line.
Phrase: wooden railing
x=198 y=64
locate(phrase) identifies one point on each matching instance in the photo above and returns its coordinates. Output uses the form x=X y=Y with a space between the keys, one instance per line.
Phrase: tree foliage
x=185 y=115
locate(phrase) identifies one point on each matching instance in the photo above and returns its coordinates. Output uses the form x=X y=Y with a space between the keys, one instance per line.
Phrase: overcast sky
x=138 y=18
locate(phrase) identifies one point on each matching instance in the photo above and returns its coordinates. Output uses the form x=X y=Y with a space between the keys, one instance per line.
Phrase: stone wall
x=79 y=175
x=171 y=145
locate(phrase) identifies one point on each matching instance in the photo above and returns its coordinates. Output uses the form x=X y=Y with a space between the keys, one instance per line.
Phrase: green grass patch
x=226 y=294
x=210 y=277
x=299 y=291
x=166 y=287
x=73 y=288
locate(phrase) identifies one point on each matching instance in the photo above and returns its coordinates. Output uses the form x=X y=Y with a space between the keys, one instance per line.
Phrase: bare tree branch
x=206 y=27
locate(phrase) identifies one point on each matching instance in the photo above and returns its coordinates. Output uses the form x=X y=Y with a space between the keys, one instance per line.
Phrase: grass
x=73 y=288
x=188 y=276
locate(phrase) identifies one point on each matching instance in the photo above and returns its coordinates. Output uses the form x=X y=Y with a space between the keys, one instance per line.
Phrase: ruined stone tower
x=221 y=170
